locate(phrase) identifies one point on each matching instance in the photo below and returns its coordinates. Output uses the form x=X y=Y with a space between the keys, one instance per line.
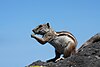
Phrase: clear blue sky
x=19 y=17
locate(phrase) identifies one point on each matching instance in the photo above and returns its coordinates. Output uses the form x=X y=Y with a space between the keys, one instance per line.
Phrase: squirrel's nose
x=33 y=30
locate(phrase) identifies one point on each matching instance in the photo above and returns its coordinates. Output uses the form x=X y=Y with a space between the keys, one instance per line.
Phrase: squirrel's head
x=41 y=29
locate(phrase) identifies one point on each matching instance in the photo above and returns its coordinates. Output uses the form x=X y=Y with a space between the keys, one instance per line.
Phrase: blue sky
x=19 y=17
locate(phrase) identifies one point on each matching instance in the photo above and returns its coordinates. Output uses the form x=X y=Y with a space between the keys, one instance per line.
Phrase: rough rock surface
x=88 y=55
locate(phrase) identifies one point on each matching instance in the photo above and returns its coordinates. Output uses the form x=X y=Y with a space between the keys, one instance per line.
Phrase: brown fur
x=64 y=42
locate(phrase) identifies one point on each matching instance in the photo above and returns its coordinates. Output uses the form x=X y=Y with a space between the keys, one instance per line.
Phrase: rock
x=88 y=55
x=37 y=63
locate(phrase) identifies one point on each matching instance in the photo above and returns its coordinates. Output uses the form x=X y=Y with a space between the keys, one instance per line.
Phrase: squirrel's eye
x=40 y=26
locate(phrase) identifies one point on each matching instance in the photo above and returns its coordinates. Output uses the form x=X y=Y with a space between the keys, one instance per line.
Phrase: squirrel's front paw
x=32 y=35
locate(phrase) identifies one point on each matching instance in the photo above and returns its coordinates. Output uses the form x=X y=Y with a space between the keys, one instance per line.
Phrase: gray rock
x=88 y=55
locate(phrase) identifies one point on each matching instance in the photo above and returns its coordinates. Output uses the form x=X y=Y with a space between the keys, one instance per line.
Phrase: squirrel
x=63 y=42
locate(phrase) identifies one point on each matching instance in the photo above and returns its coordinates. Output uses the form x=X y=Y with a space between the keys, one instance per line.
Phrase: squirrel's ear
x=48 y=25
